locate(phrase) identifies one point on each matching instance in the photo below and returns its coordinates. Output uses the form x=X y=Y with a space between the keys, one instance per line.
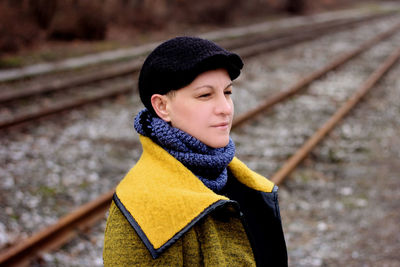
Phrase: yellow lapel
x=161 y=197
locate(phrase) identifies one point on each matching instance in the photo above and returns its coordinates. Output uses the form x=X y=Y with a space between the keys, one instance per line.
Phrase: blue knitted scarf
x=207 y=163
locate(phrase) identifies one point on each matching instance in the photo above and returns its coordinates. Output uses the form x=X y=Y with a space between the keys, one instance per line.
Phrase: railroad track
x=83 y=217
x=39 y=100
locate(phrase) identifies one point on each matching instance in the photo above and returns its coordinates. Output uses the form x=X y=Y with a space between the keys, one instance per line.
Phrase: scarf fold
x=207 y=163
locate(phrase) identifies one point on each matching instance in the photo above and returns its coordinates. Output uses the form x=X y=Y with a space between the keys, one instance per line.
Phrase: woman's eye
x=228 y=92
x=205 y=95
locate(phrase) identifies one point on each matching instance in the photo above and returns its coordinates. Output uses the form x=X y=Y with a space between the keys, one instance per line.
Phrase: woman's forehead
x=212 y=78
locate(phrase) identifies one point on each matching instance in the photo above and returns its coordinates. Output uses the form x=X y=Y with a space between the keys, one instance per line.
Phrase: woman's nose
x=224 y=105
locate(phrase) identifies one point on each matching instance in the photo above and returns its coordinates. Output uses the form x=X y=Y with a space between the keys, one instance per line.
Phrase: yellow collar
x=161 y=198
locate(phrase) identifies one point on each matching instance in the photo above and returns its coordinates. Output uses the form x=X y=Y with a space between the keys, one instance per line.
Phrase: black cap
x=178 y=61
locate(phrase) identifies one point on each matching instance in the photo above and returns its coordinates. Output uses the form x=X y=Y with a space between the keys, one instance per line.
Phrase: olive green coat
x=212 y=242
x=163 y=215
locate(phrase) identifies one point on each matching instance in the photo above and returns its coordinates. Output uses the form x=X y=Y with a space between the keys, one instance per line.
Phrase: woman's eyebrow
x=212 y=87
x=229 y=85
x=202 y=86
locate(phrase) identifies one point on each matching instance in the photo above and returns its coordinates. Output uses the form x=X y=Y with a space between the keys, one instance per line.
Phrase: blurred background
x=74 y=105
x=50 y=30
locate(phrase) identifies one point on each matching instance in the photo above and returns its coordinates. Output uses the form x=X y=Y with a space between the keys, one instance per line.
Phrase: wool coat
x=163 y=215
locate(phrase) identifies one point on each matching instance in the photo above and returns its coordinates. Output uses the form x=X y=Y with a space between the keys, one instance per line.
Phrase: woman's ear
x=160 y=103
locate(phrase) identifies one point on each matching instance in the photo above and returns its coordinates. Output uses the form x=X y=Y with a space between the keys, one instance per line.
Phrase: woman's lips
x=222 y=125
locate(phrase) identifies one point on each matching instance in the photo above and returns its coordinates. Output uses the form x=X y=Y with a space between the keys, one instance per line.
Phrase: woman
x=188 y=201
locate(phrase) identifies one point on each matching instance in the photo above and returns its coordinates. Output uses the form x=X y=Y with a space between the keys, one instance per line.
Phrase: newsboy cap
x=178 y=61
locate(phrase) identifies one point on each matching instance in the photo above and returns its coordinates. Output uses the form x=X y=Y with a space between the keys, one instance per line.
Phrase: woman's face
x=204 y=108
